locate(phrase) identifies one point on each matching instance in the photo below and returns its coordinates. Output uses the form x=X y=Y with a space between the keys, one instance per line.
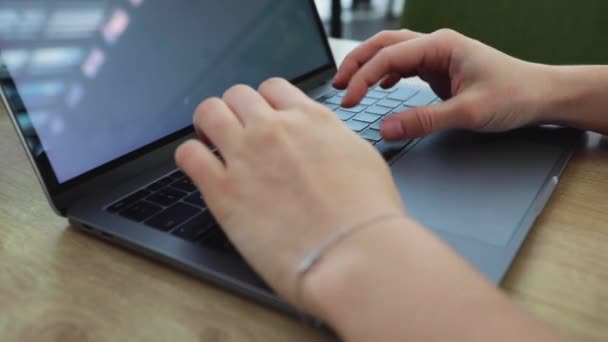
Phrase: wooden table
x=59 y=285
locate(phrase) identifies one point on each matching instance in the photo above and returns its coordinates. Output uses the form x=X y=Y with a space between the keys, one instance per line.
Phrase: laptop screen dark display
x=92 y=81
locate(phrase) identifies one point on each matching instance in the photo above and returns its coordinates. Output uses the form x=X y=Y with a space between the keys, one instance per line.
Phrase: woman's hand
x=484 y=89
x=293 y=175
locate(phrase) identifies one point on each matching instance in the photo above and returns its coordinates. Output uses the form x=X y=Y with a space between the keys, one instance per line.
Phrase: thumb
x=421 y=121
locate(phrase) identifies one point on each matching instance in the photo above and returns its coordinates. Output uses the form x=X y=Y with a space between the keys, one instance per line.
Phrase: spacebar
x=389 y=149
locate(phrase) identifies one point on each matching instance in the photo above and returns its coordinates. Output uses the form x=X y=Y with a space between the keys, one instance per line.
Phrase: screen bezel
x=32 y=144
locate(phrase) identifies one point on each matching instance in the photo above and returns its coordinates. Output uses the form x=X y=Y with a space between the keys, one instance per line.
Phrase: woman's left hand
x=292 y=175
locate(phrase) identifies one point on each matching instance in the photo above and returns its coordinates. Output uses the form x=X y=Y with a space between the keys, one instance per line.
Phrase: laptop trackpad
x=472 y=185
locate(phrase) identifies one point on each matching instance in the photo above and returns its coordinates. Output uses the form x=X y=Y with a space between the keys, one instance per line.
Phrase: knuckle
x=206 y=115
x=235 y=91
x=385 y=56
x=208 y=105
x=271 y=84
x=383 y=35
x=183 y=153
x=446 y=34
x=320 y=113
x=350 y=61
x=273 y=132
x=425 y=121
x=185 y=156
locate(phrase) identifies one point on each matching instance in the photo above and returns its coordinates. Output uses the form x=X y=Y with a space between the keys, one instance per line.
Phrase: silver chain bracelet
x=314 y=257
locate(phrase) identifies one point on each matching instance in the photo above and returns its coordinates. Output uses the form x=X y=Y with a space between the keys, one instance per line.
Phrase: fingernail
x=345 y=102
x=392 y=129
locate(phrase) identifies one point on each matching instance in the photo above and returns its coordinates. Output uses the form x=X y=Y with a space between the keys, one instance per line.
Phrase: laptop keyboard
x=366 y=118
x=173 y=204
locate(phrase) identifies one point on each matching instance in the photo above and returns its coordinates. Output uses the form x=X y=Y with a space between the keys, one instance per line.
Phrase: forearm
x=576 y=96
x=397 y=282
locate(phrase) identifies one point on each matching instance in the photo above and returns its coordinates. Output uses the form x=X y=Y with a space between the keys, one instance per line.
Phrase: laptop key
x=402 y=109
x=161 y=183
x=375 y=94
x=177 y=175
x=184 y=184
x=423 y=98
x=378 y=110
x=322 y=98
x=196 y=227
x=196 y=199
x=372 y=135
x=376 y=125
x=356 y=109
x=332 y=93
x=368 y=101
x=344 y=115
x=141 y=211
x=331 y=107
x=367 y=117
x=382 y=90
x=403 y=94
x=172 y=217
x=357 y=126
x=389 y=149
x=337 y=100
x=167 y=197
x=388 y=103
x=328 y=95
x=127 y=201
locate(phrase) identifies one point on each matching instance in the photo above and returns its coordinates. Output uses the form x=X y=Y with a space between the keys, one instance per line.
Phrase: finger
x=390 y=81
x=200 y=164
x=422 y=121
x=215 y=121
x=364 y=52
x=201 y=136
x=247 y=104
x=405 y=58
x=282 y=95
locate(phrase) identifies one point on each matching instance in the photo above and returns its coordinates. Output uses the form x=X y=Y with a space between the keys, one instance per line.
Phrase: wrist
x=384 y=284
x=333 y=290
x=574 y=96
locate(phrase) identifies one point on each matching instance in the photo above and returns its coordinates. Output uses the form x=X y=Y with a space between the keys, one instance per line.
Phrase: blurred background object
x=359 y=19
x=542 y=31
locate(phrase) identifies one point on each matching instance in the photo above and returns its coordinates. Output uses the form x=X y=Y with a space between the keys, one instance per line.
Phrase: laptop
x=101 y=94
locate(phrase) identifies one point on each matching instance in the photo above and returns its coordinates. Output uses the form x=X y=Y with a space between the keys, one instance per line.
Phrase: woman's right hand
x=483 y=89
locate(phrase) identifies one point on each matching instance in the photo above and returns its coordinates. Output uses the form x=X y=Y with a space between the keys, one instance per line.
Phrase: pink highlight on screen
x=116 y=26
x=136 y=3
x=93 y=63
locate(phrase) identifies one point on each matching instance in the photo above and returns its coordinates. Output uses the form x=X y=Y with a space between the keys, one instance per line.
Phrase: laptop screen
x=100 y=79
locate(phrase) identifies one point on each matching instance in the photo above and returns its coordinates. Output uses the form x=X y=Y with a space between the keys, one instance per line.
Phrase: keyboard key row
x=167 y=197
x=196 y=227
x=141 y=211
x=173 y=217
x=129 y=200
x=184 y=184
x=161 y=183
